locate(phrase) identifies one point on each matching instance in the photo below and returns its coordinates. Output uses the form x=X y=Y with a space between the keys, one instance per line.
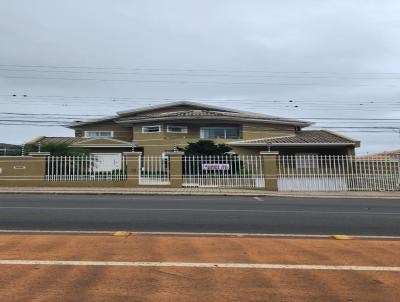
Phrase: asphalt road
x=200 y=214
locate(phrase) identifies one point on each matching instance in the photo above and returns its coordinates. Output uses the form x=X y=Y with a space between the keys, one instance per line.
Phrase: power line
x=192 y=69
x=253 y=103
x=58 y=122
x=74 y=116
x=275 y=75
x=191 y=82
x=254 y=107
x=116 y=98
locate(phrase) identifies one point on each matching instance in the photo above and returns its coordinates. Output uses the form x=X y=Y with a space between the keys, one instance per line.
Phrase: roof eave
x=102 y=146
x=88 y=122
x=171 y=104
x=221 y=118
x=206 y=106
x=356 y=142
x=289 y=144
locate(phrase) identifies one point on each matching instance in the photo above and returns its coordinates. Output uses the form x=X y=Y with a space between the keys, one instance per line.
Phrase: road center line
x=204 y=265
x=201 y=210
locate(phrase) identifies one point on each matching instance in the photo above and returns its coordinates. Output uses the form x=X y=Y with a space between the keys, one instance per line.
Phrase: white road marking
x=258 y=198
x=200 y=210
x=205 y=265
x=104 y=232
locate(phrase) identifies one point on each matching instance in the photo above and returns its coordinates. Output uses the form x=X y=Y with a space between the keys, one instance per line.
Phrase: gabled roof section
x=91 y=121
x=200 y=111
x=56 y=139
x=301 y=138
x=194 y=110
x=171 y=105
x=8 y=146
x=101 y=142
x=82 y=142
x=209 y=115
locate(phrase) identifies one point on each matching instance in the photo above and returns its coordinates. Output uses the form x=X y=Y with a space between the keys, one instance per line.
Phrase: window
x=177 y=129
x=91 y=134
x=219 y=132
x=151 y=129
x=307 y=160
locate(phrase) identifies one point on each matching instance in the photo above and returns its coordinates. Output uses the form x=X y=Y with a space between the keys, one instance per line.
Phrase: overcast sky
x=299 y=59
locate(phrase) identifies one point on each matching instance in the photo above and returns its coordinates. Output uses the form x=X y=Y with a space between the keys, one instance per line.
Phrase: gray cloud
x=222 y=36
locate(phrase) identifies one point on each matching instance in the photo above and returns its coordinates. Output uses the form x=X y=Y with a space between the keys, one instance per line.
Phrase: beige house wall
x=156 y=143
x=22 y=171
x=120 y=132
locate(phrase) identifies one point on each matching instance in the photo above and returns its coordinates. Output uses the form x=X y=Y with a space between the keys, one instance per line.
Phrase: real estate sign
x=208 y=167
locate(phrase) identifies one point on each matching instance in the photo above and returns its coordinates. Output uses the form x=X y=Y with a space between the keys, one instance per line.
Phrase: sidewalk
x=191 y=268
x=197 y=191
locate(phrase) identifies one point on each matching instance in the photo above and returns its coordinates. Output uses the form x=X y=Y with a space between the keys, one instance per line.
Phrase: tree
x=58 y=149
x=205 y=147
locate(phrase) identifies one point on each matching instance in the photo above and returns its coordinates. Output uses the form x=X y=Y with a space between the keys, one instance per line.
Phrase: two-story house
x=156 y=129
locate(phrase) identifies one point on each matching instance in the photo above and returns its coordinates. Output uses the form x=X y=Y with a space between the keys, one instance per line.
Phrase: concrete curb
x=201 y=193
x=196 y=234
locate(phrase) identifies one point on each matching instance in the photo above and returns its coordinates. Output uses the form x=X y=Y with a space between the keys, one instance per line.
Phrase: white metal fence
x=85 y=168
x=154 y=170
x=227 y=171
x=337 y=173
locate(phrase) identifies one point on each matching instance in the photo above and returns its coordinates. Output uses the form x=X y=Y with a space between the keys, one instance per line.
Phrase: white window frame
x=185 y=128
x=87 y=136
x=159 y=128
x=202 y=133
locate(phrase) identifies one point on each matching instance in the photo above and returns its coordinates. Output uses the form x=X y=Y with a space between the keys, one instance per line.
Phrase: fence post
x=175 y=168
x=270 y=169
x=132 y=168
x=40 y=164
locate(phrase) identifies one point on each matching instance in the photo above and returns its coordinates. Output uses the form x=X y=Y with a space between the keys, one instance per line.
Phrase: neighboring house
x=395 y=154
x=8 y=149
x=156 y=129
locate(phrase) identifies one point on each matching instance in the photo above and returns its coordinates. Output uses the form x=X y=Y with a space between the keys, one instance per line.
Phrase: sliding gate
x=226 y=171
x=337 y=173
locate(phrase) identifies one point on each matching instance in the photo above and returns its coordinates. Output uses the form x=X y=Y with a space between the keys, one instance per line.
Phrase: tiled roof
x=8 y=146
x=301 y=137
x=199 y=110
x=59 y=139
x=203 y=112
x=388 y=154
x=83 y=141
x=208 y=114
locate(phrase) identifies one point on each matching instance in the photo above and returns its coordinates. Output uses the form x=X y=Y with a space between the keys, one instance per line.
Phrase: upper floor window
x=177 y=129
x=151 y=129
x=92 y=134
x=219 y=132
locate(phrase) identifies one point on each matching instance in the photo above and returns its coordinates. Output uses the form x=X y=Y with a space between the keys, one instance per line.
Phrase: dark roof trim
x=122 y=114
x=290 y=144
x=91 y=121
x=128 y=121
x=172 y=104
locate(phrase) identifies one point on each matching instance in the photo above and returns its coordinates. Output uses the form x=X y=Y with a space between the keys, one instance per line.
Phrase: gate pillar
x=132 y=168
x=270 y=169
x=175 y=160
